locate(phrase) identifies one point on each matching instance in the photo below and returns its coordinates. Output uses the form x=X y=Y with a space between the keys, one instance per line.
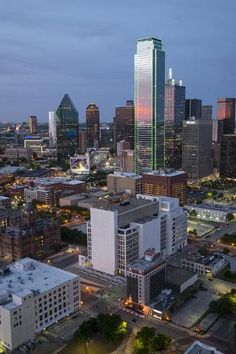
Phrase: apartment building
x=33 y=296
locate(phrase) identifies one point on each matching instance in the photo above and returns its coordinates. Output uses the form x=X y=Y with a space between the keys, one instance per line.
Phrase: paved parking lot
x=194 y=308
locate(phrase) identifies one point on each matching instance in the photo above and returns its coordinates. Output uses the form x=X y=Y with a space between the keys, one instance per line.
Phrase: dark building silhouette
x=197 y=148
x=92 y=126
x=193 y=108
x=67 y=128
x=173 y=146
x=174 y=100
x=107 y=135
x=124 y=123
x=227 y=156
x=226 y=113
x=206 y=112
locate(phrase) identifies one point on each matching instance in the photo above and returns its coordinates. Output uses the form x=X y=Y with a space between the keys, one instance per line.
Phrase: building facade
x=125 y=182
x=227 y=156
x=39 y=295
x=52 y=129
x=206 y=112
x=67 y=129
x=33 y=125
x=226 y=112
x=174 y=100
x=168 y=182
x=92 y=126
x=149 y=104
x=197 y=148
x=146 y=277
x=193 y=108
x=124 y=124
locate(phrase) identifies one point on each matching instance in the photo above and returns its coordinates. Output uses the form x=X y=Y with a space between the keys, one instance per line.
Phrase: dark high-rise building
x=174 y=100
x=226 y=112
x=193 y=108
x=197 y=148
x=227 y=156
x=149 y=104
x=107 y=135
x=92 y=126
x=67 y=128
x=124 y=124
x=33 y=125
x=206 y=112
x=173 y=146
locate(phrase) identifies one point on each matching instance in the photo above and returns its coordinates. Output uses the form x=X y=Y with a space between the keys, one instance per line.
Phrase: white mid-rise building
x=119 y=232
x=33 y=296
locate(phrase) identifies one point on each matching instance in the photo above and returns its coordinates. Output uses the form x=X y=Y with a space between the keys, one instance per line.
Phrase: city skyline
x=37 y=65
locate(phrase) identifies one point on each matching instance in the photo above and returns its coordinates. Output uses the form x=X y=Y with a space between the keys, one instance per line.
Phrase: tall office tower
x=227 y=156
x=174 y=100
x=197 y=148
x=33 y=125
x=124 y=124
x=52 y=129
x=149 y=104
x=107 y=135
x=92 y=126
x=226 y=111
x=67 y=129
x=206 y=112
x=217 y=130
x=193 y=108
x=173 y=146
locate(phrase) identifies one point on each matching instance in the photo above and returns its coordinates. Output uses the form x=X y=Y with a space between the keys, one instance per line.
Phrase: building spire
x=170 y=74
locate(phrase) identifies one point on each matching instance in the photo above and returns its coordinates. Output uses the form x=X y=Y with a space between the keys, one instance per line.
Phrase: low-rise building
x=125 y=182
x=205 y=265
x=211 y=212
x=179 y=279
x=166 y=182
x=4 y=201
x=199 y=347
x=33 y=296
x=19 y=153
x=146 y=277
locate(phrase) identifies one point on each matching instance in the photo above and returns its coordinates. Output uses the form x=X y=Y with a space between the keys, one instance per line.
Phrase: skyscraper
x=149 y=104
x=92 y=126
x=174 y=100
x=52 y=129
x=124 y=123
x=193 y=108
x=206 y=112
x=227 y=156
x=197 y=149
x=226 y=111
x=33 y=125
x=67 y=128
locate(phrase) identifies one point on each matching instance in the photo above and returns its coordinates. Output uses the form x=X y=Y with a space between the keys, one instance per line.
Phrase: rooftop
x=178 y=276
x=217 y=207
x=168 y=172
x=198 y=347
x=145 y=263
x=10 y=169
x=56 y=180
x=210 y=260
x=122 y=205
x=125 y=175
x=30 y=275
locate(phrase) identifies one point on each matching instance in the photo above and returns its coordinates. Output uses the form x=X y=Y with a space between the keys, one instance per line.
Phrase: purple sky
x=86 y=48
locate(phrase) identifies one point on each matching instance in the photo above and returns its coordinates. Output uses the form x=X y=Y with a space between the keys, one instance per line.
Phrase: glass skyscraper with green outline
x=149 y=104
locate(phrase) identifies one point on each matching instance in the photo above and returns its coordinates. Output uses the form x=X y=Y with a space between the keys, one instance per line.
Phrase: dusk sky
x=86 y=48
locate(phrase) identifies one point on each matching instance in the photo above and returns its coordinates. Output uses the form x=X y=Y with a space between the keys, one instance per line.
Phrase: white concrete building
x=33 y=296
x=119 y=232
x=211 y=212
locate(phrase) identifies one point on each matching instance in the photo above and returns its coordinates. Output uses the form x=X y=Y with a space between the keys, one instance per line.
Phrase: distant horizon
x=88 y=49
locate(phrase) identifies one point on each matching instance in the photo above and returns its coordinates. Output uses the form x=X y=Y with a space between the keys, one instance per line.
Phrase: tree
x=149 y=342
x=193 y=212
x=223 y=306
x=230 y=217
x=225 y=250
x=203 y=250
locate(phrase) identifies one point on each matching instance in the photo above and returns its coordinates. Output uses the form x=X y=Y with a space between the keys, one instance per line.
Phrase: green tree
x=230 y=217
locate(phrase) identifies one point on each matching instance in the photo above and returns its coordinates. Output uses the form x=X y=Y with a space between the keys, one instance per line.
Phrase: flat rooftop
x=130 y=175
x=168 y=172
x=142 y=264
x=10 y=169
x=210 y=260
x=121 y=205
x=198 y=347
x=216 y=207
x=57 y=180
x=177 y=276
x=30 y=275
